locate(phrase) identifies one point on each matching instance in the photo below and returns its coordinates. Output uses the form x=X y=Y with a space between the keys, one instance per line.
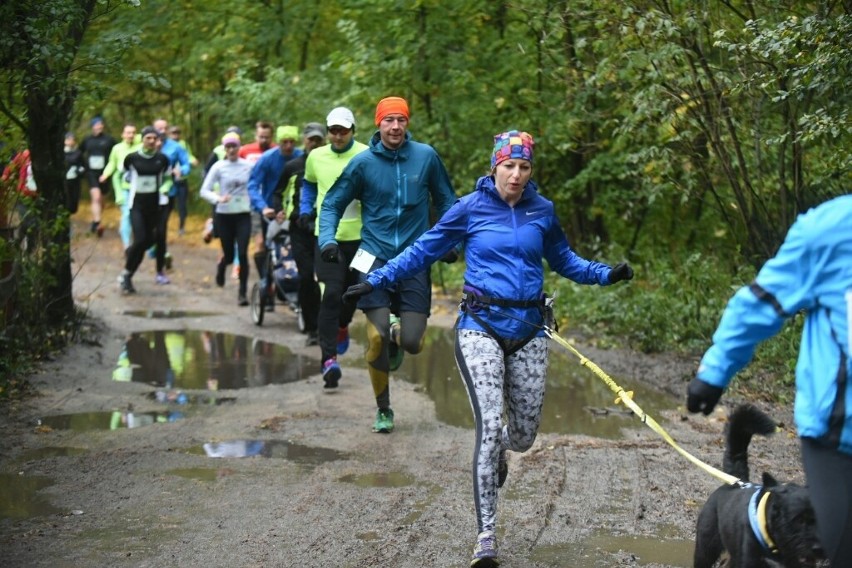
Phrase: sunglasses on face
x=232 y=145
x=338 y=130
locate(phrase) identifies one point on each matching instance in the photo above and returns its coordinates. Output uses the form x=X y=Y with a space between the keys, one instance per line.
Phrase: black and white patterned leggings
x=491 y=378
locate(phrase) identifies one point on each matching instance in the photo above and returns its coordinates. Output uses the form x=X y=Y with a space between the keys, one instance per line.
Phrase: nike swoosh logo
x=532 y=212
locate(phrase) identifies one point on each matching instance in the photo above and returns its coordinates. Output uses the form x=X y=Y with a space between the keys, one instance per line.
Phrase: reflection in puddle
x=389 y=479
x=87 y=421
x=180 y=398
x=597 y=550
x=19 y=497
x=167 y=314
x=269 y=449
x=572 y=390
x=192 y=359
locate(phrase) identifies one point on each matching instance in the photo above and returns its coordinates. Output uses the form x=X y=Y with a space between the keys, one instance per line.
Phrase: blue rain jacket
x=394 y=187
x=812 y=272
x=504 y=247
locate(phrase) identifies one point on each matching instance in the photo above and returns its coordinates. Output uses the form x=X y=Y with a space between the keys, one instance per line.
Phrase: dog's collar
x=757 y=519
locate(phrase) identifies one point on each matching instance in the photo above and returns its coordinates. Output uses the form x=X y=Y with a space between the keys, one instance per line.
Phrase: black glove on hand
x=701 y=396
x=306 y=222
x=450 y=257
x=619 y=272
x=330 y=253
x=352 y=293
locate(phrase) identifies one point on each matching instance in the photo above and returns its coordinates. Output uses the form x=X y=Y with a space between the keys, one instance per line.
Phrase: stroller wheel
x=257 y=303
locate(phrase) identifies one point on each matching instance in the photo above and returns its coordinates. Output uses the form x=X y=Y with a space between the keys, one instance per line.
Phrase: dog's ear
x=768 y=480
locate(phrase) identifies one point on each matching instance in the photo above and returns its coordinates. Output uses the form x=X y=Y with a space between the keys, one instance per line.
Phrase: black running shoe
x=127 y=285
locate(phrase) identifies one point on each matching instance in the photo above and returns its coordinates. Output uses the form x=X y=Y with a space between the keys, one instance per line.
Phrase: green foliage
x=26 y=338
x=670 y=306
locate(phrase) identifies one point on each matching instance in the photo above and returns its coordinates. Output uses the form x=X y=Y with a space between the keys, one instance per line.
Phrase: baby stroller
x=282 y=277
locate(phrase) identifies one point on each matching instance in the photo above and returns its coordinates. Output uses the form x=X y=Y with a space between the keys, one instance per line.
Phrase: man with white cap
x=322 y=169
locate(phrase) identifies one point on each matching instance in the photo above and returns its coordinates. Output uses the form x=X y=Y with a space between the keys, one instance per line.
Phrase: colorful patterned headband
x=512 y=145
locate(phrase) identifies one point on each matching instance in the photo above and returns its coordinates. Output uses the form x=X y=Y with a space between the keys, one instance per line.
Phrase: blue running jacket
x=812 y=272
x=394 y=187
x=504 y=247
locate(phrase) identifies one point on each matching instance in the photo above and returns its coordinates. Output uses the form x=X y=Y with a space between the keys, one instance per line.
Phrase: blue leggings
x=493 y=381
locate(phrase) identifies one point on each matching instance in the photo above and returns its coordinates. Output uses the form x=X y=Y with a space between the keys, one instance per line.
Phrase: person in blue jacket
x=811 y=273
x=506 y=228
x=397 y=180
x=263 y=181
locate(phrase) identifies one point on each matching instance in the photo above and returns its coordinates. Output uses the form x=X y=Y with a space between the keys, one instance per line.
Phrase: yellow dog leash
x=627 y=398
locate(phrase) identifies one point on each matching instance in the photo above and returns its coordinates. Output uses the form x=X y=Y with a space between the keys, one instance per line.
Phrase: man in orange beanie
x=397 y=181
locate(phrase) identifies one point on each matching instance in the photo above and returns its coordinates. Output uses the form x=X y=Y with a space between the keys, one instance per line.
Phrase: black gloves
x=352 y=293
x=450 y=257
x=306 y=222
x=330 y=253
x=701 y=396
x=619 y=272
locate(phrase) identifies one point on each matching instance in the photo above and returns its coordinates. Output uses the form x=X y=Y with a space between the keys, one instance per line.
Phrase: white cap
x=340 y=116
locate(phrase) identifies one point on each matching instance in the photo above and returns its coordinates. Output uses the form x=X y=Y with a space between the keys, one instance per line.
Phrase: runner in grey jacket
x=233 y=207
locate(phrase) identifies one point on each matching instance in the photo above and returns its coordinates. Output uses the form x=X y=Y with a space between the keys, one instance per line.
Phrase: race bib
x=237 y=204
x=164 y=199
x=352 y=211
x=363 y=261
x=146 y=184
x=97 y=162
x=240 y=202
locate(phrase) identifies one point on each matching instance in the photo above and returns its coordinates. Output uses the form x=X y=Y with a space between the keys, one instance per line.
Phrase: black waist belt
x=471 y=303
x=503 y=303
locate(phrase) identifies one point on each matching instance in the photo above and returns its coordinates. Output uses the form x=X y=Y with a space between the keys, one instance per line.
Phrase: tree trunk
x=49 y=114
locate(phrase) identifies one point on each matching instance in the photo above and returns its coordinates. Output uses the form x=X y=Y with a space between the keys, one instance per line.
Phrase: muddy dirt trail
x=128 y=456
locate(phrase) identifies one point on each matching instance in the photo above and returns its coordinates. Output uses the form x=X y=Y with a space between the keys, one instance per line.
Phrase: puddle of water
x=19 y=497
x=389 y=479
x=269 y=449
x=88 y=421
x=167 y=314
x=422 y=505
x=197 y=473
x=369 y=536
x=193 y=359
x=38 y=454
x=576 y=401
x=597 y=550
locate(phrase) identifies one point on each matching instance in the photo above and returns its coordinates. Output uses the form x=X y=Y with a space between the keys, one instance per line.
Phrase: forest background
x=681 y=136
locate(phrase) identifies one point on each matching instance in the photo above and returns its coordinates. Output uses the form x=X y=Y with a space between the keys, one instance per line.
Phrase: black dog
x=767 y=525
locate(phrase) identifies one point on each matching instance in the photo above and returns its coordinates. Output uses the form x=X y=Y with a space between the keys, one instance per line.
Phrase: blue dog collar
x=757 y=519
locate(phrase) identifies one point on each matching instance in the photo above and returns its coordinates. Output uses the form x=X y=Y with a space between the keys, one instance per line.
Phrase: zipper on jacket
x=398 y=202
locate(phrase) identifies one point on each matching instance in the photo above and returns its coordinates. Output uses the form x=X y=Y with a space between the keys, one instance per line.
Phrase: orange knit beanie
x=391 y=105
